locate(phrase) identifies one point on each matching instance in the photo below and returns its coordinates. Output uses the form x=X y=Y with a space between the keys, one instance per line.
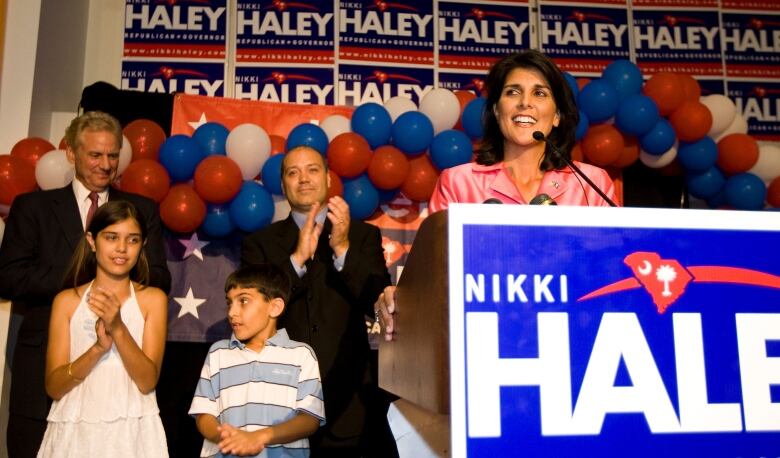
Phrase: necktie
x=93 y=197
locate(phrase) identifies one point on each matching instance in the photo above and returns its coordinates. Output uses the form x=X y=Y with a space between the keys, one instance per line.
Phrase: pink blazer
x=474 y=183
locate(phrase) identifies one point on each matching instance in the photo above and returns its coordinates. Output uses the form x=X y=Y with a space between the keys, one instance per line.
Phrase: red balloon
x=690 y=87
x=773 y=193
x=218 y=179
x=737 y=153
x=17 y=176
x=182 y=210
x=145 y=137
x=464 y=97
x=147 y=178
x=576 y=153
x=582 y=82
x=336 y=186
x=602 y=144
x=278 y=144
x=63 y=144
x=389 y=167
x=421 y=181
x=630 y=152
x=31 y=149
x=666 y=90
x=349 y=154
x=691 y=121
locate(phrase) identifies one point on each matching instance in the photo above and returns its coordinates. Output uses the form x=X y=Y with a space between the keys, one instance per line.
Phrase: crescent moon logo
x=645 y=269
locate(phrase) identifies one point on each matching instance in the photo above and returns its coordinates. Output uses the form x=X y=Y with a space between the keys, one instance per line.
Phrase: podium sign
x=614 y=332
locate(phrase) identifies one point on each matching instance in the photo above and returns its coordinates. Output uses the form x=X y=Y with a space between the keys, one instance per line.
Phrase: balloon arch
x=219 y=180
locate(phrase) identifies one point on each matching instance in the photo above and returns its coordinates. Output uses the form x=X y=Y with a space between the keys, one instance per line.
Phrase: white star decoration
x=193 y=246
x=199 y=122
x=189 y=304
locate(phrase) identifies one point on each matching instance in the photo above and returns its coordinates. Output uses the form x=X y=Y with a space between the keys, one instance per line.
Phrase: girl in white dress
x=106 y=341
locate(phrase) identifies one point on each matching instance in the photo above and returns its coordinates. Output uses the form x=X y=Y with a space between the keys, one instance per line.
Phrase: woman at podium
x=529 y=122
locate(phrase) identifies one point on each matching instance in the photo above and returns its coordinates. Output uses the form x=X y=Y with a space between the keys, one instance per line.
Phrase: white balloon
x=249 y=146
x=768 y=165
x=738 y=126
x=657 y=161
x=281 y=208
x=442 y=108
x=399 y=105
x=335 y=125
x=53 y=170
x=2 y=229
x=125 y=155
x=723 y=112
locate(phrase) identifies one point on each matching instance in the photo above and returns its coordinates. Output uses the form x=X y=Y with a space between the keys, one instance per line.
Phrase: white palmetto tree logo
x=666 y=274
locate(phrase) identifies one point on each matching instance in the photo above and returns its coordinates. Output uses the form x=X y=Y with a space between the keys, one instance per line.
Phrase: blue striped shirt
x=252 y=391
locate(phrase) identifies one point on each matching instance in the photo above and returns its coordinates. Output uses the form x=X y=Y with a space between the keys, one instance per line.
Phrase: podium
x=574 y=331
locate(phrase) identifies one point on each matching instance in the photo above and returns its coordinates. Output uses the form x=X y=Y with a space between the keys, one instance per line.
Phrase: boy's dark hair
x=268 y=279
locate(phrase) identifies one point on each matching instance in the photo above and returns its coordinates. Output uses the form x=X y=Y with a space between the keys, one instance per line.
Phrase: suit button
x=315 y=328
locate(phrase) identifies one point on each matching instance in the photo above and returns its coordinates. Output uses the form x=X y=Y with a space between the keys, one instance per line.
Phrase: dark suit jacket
x=42 y=232
x=327 y=310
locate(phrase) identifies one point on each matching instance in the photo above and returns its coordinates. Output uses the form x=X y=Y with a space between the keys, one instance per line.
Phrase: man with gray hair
x=42 y=231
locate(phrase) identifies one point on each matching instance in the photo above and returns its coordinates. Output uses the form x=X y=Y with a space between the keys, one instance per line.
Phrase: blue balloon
x=387 y=195
x=699 y=155
x=180 y=155
x=598 y=99
x=373 y=122
x=471 y=120
x=361 y=196
x=217 y=223
x=624 y=76
x=659 y=139
x=450 y=148
x=211 y=137
x=272 y=173
x=308 y=135
x=572 y=82
x=705 y=185
x=718 y=200
x=412 y=133
x=252 y=208
x=636 y=115
x=745 y=191
x=582 y=126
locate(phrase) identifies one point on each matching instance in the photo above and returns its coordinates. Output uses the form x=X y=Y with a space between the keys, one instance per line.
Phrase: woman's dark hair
x=491 y=149
x=83 y=263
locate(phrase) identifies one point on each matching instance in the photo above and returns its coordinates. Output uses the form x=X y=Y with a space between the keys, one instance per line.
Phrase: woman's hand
x=106 y=306
x=104 y=340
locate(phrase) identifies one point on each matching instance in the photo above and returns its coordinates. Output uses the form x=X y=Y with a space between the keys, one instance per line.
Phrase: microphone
x=492 y=200
x=539 y=136
x=543 y=199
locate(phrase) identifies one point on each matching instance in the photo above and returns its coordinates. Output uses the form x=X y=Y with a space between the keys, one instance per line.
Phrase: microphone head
x=492 y=200
x=538 y=136
x=543 y=199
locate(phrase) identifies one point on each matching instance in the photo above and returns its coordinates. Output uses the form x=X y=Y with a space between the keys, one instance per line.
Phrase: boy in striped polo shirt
x=259 y=392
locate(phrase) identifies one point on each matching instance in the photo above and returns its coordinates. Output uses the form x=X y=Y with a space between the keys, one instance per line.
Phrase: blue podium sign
x=613 y=332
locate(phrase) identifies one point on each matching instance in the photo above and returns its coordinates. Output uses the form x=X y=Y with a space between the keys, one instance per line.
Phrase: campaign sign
x=614 y=332
x=474 y=37
x=195 y=78
x=463 y=81
x=285 y=84
x=752 y=44
x=175 y=28
x=582 y=38
x=287 y=32
x=759 y=103
x=359 y=84
x=679 y=41
x=381 y=31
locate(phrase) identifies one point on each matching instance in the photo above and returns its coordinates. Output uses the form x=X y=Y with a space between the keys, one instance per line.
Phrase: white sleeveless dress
x=105 y=415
